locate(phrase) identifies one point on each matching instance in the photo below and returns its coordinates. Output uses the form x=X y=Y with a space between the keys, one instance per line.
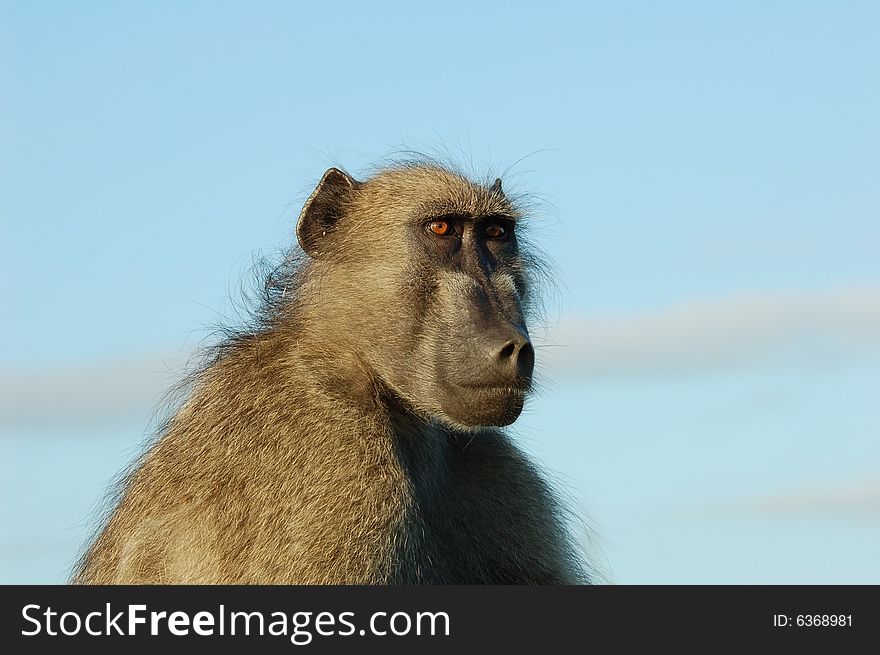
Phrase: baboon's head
x=419 y=281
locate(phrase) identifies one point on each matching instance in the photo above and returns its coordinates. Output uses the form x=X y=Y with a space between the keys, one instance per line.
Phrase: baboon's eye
x=495 y=231
x=441 y=227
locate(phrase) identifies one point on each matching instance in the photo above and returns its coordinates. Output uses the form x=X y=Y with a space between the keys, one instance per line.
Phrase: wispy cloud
x=689 y=338
x=87 y=394
x=718 y=334
x=854 y=498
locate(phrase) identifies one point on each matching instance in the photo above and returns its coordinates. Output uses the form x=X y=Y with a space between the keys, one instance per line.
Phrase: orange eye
x=441 y=228
x=495 y=231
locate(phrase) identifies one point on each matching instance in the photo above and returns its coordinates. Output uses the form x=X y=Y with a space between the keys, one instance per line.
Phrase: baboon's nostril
x=507 y=351
x=516 y=358
x=525 y=362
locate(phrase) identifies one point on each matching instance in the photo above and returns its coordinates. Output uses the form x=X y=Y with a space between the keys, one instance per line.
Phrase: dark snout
x=486 y=360
x=491 y=376
x=500 y=357
x=512 y=355
x=495 y=350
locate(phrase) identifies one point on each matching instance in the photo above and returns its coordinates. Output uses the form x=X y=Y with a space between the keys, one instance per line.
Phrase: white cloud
x=87 y=394
x=858 y=497
x=717 y=334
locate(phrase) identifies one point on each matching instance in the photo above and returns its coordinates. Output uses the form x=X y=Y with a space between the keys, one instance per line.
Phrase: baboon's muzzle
x=490 y=374
x=501 y=358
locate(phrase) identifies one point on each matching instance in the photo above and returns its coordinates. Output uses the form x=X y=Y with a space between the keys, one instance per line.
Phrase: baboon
x=353 y=436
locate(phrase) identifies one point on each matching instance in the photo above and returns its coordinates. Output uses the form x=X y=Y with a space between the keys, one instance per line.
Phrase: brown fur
x=312 y=449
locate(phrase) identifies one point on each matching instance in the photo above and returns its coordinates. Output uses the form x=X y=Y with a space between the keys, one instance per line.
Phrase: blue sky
x=706 y=185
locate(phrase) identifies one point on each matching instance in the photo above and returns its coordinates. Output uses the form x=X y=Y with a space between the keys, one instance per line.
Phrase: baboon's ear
x=323 y=209
x=496 y=188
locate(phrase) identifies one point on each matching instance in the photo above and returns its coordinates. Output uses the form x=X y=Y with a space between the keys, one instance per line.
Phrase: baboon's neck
x=335 y=371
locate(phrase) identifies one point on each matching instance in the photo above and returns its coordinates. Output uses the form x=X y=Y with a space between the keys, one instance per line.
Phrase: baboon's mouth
x=485 y=404
x=503 y=391
x=496 y=390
